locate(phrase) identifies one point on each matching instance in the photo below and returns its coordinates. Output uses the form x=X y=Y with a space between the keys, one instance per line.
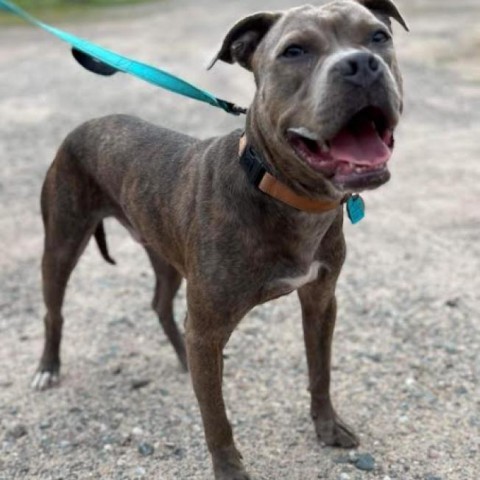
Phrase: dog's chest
x=297 y=260
x=295 y=282
x=297 y=278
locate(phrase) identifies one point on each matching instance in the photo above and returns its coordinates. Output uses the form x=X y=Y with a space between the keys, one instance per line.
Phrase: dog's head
x=329 y=91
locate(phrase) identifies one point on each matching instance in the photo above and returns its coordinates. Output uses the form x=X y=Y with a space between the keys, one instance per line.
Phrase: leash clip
x=230 y=107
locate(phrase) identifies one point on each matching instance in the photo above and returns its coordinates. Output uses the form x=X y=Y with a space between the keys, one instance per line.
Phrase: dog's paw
x=335 y=433
x=232 y=475
x=43 y=380
x=227 y=465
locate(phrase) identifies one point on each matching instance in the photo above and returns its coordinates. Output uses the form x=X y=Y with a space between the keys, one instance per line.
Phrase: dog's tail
x=102 y=243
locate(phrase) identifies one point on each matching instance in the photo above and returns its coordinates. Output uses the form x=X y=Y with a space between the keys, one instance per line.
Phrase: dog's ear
x=385 y=8
x=243 y=39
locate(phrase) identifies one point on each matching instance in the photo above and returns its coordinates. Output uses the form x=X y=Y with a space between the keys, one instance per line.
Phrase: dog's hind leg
x=68 y=226
x=168 y=281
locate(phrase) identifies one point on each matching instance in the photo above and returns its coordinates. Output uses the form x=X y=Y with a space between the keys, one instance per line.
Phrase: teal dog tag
x=355 y=208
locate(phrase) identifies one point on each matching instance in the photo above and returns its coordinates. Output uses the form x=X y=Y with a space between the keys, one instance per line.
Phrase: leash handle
x=106 y=62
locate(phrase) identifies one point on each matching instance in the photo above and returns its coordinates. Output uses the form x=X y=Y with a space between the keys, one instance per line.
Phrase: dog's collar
x=259 y=176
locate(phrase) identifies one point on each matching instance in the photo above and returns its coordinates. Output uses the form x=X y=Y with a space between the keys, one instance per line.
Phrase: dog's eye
x=294 y=51
x=380 y=36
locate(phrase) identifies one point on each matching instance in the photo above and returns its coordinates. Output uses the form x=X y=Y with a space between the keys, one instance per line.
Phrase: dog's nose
x=360 y=68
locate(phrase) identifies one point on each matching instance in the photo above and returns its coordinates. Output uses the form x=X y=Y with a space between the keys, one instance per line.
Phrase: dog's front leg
x=206 y=336
x=318 y=324
x=319 y=311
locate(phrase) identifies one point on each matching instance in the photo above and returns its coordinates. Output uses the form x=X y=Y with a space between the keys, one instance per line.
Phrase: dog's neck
x=258 y=174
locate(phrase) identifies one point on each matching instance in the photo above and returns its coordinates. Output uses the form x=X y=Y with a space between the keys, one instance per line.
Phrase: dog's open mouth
x=356 y=157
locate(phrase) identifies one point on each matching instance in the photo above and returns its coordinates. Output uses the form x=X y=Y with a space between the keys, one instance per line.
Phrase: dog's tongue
x=361 y=145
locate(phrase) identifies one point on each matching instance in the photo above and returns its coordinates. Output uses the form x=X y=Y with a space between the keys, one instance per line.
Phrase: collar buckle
x=253 y=167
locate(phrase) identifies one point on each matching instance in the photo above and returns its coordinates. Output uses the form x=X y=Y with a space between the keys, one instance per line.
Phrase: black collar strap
x=260 y=177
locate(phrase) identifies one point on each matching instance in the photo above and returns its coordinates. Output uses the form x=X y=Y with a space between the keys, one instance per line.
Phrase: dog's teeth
x=325 y=148
x=304 y=132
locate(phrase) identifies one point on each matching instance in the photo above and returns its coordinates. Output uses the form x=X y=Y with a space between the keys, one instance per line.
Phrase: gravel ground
x=406 y=366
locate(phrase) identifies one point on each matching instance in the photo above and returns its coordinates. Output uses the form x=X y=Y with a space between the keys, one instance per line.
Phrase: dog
x=245 y=217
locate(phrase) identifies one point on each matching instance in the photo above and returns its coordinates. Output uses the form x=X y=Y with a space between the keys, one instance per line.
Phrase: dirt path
x=407 y=366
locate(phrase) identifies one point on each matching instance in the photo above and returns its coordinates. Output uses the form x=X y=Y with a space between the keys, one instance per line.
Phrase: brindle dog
x=328 y=99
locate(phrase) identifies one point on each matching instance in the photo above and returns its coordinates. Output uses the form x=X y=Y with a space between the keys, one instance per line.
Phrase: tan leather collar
x=269 y=185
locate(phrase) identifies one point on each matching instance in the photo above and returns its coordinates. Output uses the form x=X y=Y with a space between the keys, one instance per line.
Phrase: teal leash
x=106 y=62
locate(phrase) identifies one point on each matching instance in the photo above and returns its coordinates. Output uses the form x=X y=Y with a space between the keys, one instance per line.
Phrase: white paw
x=44 y=380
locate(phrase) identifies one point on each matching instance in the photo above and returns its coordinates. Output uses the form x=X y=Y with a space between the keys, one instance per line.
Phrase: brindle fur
x=191 y=206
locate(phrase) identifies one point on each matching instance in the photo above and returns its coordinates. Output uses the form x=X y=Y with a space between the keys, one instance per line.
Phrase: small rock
x=18 y=431
x=109 y=440
x=451 y=348
x=461 y=391
x=140 y=383
x=145 y=449
x=375 y=357
x=410 y=381
x=116 y=422
x=344 y=476
x=432 y=477
x=452 y=303
x=64 y=444
x=44 y=424
x=24 y=470
x=137 y=431
x=121 y=321
x=45 y=444
x=365 y=462
x=433 y=454
x=140 y=471
x=179 y=453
